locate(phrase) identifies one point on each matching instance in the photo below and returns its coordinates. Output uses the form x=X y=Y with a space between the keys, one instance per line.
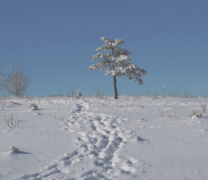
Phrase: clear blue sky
x=54 y=41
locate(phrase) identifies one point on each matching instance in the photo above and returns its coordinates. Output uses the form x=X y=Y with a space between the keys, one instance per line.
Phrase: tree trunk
x=115 y=88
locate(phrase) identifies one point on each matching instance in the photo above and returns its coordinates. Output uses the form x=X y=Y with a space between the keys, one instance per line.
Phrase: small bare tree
x=16 y=82
x=1 y=78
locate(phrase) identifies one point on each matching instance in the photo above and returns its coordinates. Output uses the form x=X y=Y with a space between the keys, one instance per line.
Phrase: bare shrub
x=60 y=93
x=71 y=93
x=2 y=103
x=138 y=138
x=204 y=106
x=1 y=77
x=174 y=113
x=16 y=82
x=196 y=113
x=60 y=118
x=98 y=93
x=34 y=106
x=11 y=121
x=165 y=114
x=162 y=113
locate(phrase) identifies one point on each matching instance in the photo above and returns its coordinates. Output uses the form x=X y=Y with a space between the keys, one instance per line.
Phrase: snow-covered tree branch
x=115 y=63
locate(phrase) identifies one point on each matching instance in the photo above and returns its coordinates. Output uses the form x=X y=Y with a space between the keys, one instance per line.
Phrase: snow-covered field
x=88 y=138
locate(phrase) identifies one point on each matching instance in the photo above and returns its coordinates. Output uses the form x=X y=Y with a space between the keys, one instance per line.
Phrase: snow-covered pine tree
x=115 y=62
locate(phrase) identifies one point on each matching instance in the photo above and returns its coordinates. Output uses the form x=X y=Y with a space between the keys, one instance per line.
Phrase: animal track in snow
x=99 y=139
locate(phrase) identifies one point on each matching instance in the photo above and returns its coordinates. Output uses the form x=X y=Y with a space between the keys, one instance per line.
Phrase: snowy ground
x=90 y=139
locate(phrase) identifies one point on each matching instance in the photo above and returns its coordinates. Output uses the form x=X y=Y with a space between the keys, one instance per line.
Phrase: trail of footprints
x=99 y=142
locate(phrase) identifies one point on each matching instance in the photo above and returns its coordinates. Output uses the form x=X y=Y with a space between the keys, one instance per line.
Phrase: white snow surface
x=132 y=138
